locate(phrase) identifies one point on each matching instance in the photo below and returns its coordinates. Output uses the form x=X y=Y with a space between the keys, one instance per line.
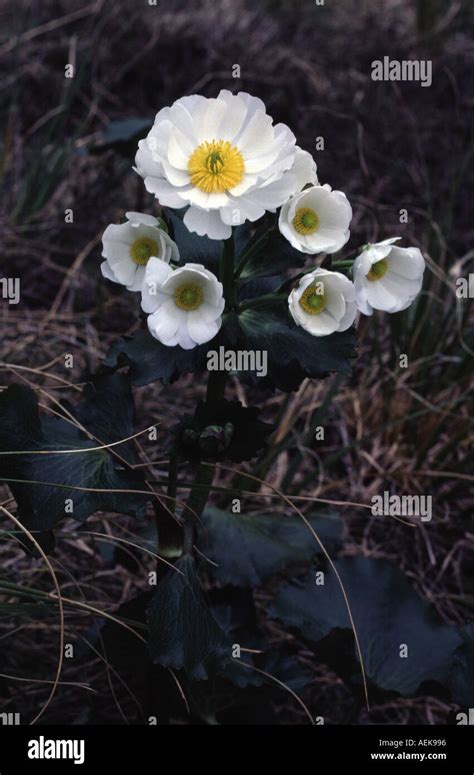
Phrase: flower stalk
x=204 y=475
x=227 y=272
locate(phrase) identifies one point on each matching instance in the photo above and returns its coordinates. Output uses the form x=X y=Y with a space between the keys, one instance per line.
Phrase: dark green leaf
x=270 y=253
x=183 y=633
x=293 y=354
x=462 y=674
x=250 y=548
x=192 y=247
x=49 y=479
x=149 y=360
x=387 y=613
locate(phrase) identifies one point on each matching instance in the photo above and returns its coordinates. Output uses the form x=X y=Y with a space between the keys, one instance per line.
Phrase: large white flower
x=316 y=220
x=387 y=277
x=184 y=305
x=128 y=246
x=323 y=302
x=224 y=157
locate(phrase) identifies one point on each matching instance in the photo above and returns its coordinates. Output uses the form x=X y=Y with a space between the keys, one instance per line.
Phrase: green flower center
x=188 y=296
x=142 y=249
x=313 y=300
x=377 y=270
x=306 y=221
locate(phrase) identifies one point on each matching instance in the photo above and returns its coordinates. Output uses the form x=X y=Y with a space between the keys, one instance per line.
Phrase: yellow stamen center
x=142 y=249
x=306 y=221
x=313 y=300
x=377 y=270
x=216 y=166
x=188 y=296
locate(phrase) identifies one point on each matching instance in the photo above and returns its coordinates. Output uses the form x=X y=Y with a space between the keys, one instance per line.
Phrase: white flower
x=316 y=220
x=224 y=157
x=128 y=246
x=184 y=305
x=387 y=277
x=323 y=302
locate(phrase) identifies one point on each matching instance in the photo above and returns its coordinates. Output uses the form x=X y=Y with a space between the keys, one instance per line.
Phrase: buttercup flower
x=224 y=157
x=387 y=277
x=323 y=302
x=184 y=305
x=316 y=220
x=127 y=247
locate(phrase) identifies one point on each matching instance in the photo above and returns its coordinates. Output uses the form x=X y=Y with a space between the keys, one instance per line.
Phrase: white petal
x=211 y=312
x=124 y=271
x=207 y=118
x=107 y=272
x=208 y=223
x=251 y=103
x=380 y=297
x=182 y=336
x=147 y=220
x=349 y=317
x=407 y=262
x=169 y=195
x=272 y=195
x=156 y=273
x=137 y=283
x=179 y=150
x=119 y=232
x=164 y=323
x=200 y=329
x=206 y=201
x=178 y=178
x=335 y=303
x=116 y=251
x=304 y=169
x=401 y=287
x=257 y=138
x=146 y=165
x=158 y=139
x=322 y=324
x=241 y=209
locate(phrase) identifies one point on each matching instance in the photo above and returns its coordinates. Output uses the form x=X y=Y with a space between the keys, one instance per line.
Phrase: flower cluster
x=228 y=163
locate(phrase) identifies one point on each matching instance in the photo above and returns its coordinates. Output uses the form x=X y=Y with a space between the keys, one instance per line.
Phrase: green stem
x=347 y=262
x=248 y=303
x=227 y=272
x=172 y=479
x=249 y=253
x=204 y=475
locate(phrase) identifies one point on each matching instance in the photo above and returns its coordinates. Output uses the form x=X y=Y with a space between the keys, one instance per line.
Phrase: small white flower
x=224 y=157
x=128 y=246
x=323 y=302
x=316 y=220
x=184 y=305
x=387 y=277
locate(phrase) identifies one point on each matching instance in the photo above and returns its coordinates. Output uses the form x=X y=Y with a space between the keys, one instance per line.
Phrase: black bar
x=319 y=749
